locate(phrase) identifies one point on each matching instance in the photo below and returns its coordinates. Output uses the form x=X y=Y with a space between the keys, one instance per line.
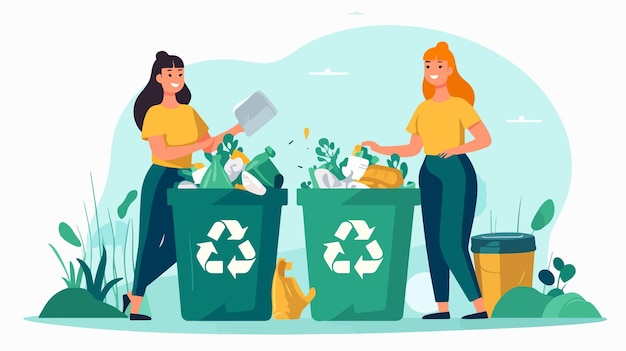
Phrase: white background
x=68 y=69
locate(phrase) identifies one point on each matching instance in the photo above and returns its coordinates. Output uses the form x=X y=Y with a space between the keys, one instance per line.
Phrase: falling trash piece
x=290 y=142
x=306 y=133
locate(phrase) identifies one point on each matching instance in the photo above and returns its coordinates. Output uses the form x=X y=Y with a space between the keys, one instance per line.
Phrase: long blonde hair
x=457 y=86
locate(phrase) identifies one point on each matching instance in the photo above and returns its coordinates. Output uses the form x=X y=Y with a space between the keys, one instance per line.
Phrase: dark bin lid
x=503 y=243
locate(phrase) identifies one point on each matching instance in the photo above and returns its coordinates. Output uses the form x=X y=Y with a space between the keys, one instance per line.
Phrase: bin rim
x=232 y=196
x=503 y=242
x=342 y=196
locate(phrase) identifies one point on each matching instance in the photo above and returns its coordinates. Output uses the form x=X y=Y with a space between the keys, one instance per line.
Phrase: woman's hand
x=407 y=150
x=371 y=144
x=447 y=153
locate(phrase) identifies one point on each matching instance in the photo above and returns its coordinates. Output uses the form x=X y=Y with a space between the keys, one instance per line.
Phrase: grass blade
x=88 y=278
x=108 y=287
x=100 y=272
x=60 y=260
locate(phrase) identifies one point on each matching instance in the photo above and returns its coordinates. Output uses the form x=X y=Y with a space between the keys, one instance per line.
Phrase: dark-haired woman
x=174 y=131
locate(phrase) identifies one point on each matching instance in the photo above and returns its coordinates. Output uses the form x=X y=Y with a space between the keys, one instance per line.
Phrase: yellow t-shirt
x=442 y=124
x=179 y=126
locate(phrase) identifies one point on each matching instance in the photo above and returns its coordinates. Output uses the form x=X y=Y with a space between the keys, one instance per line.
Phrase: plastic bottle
x=263 y=169
x=356 y=166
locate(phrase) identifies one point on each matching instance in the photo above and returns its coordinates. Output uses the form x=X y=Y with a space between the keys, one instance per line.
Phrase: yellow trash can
x=502 y=261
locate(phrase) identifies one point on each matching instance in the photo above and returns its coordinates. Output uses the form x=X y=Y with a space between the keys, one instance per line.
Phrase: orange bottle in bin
x=262 y=168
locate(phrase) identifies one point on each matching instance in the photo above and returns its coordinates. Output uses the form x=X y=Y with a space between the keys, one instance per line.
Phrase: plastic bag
x=288 y=301
x=215 y=176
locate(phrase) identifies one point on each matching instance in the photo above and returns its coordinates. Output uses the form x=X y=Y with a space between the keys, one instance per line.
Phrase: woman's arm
x=216 y=140
x=481 y=140
x=164 y=152
x=411 y=149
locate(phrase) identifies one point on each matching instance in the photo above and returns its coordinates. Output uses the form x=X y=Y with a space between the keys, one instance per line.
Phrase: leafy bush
x=95 y=284
x=566 y=272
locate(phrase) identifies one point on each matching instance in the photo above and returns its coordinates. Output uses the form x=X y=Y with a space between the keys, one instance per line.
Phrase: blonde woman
x=447 y=179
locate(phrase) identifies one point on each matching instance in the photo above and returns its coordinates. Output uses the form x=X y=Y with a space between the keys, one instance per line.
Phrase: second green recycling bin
x=226 y=246
x=357 y=247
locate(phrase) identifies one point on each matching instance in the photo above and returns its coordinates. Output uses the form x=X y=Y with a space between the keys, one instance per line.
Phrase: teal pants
x=156 y=252
x=448 y=193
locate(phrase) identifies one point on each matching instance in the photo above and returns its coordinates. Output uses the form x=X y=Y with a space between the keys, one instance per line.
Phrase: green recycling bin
x=226 y=247
x=357 y=248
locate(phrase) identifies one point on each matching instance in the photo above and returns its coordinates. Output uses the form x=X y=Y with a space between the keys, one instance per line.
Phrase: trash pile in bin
x=230 y=168
x=360 y=170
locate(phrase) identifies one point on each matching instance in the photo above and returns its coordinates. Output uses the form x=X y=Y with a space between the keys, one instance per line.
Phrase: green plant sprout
x=566 y=272
x=394 y=162
x=72 y=278
x=95 y=284
x=226 y=148
x=327 y=154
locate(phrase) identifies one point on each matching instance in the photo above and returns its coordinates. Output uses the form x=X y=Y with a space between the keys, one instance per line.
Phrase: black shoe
x=478 y=315
x=139 y=317
x=125 y=302
x=438 y=315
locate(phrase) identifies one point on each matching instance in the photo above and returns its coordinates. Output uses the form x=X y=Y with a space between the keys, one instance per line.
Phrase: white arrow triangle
x=332 y=250
x=363 y=267
x=341 y=267
x=205 y=251
x=216 y=231
x=239 y=266
x=343 y=230
x=214 y=267
x=247 y=250
x=363 y=230
x=374 y=249
x=235 y=229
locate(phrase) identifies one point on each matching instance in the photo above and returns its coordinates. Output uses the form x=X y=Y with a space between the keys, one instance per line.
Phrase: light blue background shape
x=527 y=162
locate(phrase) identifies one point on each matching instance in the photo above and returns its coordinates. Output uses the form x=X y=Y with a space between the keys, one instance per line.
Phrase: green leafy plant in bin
x=73 y=277
x=96 y=284
x=394 y=162
x=226 y=148
x=329 y=156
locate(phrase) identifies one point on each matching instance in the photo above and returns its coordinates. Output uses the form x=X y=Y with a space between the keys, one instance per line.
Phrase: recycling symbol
x=362 y=266
x=208 y=249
